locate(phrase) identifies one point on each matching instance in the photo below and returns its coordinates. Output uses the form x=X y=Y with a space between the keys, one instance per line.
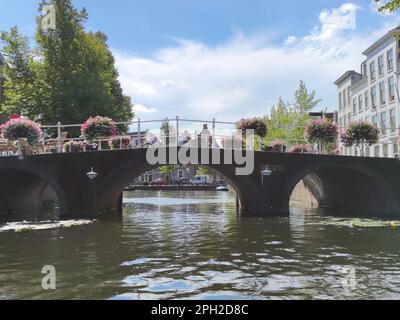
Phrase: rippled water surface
x=180 y=245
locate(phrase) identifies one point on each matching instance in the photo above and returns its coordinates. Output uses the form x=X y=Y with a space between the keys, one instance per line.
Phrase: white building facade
x=372 y=95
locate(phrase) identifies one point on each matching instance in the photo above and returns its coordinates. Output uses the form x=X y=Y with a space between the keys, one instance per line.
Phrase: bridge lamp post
x=265 y=173
x=92 y=176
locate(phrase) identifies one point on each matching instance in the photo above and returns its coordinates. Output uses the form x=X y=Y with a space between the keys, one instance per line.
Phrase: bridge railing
x=136 y=130
x=143 y=133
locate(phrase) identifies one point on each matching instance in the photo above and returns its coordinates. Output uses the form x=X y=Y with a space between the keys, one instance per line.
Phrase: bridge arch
x=117 y=179
x=16 y=197
x=348 y=188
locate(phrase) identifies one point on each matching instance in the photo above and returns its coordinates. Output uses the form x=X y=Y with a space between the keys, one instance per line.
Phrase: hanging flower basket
x=321 y=131
x=360 y=133
x=15 y=129
x=256 y=124
x=278 y=146
x=98 y=127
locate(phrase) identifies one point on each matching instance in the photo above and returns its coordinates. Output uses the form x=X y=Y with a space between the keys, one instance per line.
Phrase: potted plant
x=121 y=143
x=22 y=128
x=321 y=131
x=98 y=128
x=300 y=148
x=256 y=124
x=74 y=146
x=360 y=133
x=278 y=146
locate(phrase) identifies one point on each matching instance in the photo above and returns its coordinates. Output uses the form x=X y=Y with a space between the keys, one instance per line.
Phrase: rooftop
x=382 y=40
x=345 y=76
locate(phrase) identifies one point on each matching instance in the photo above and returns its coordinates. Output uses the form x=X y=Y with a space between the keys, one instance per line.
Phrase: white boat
x=222 y=188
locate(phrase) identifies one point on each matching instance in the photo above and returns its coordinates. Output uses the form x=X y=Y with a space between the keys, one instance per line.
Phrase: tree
x=305 y=101
x=388 y=5
x=205 y=171
x=24 y=92
x=79 y=69
x=287 y=121
x=69 y=77
x=279 y=121
x=168 y=132
x=167 y=169
x=359 y=134
x=321 y=131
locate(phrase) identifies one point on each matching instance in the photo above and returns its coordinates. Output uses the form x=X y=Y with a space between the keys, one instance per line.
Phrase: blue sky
x=224 y=59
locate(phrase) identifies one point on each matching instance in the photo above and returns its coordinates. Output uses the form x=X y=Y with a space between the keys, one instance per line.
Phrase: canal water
x=193 y=245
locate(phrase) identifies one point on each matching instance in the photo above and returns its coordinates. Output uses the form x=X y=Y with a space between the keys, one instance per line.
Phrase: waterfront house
x=372 y=95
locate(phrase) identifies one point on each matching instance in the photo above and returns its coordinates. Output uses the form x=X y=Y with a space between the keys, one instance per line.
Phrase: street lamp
x=265 y=173
x=91 y=174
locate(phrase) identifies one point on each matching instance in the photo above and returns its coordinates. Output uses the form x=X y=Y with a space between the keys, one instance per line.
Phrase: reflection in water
x=179 y=245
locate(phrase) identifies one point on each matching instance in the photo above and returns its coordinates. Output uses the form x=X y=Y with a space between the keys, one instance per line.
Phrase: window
x=360 y=103
x=376 y=151
x=382 y=92
x=366 y=100
x=391 y=89
x=372 y=70
x=386 y=150
x=344 y=98
x=348 y=96
x=373 y=97
x=364 y=69
x=375 y=121
x=392 y=115
x=349 y=118
x=367 y=152
x=380 y=66
x=354 y=105
x=390 y=59
x=395 y=149
x=383 y=122
x=340 y=101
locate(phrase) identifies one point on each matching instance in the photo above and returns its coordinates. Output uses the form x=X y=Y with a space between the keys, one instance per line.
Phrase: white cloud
x=141 y=109
x=244 y=75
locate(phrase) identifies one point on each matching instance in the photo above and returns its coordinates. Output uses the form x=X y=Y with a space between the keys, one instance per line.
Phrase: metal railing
x=139 y=124
x=180 y=130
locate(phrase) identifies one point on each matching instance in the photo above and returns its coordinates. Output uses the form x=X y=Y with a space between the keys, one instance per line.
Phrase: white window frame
x=381 y=66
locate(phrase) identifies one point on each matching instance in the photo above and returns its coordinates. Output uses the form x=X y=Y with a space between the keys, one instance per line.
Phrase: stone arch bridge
x=358 y=185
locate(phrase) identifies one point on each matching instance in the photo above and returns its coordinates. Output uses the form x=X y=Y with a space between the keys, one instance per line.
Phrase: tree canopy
x=68 y=77
x=388 y=5
x=287 y=120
